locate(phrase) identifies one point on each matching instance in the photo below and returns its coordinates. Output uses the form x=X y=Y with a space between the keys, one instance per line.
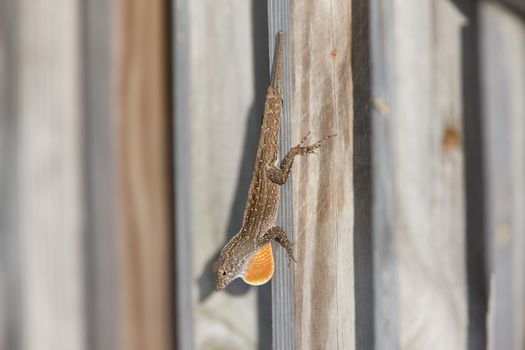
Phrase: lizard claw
x=289 y=254
x=311 y=148
x=291 y=259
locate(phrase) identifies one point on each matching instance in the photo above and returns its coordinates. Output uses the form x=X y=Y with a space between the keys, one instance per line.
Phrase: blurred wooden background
x=128 y=132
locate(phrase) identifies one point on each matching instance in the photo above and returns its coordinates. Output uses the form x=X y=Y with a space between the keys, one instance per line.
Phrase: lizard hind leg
x=261 y=267
x=277 y=234
x=279 y=175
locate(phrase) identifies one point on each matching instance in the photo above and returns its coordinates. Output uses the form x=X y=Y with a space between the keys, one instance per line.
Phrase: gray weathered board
x=228 y=76
x=48 y=210
x=184 y=308
x=323 y=199
x=419 y=223
x=99 y=166
x=503 y=65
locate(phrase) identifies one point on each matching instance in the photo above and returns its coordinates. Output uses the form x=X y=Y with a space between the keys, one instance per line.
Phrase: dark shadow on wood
x=363 y=266
x=170 y=139
x=261 y=73
x=10 y=263
x=477 y=286
x=515 y=5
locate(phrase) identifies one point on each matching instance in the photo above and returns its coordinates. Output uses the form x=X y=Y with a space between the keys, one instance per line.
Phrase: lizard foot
x=307 y=149
x=277 y=233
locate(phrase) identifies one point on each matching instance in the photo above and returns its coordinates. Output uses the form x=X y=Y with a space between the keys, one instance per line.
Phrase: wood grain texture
x=503 y=57
x=418 y=118
x=49 y=185
x=323 y=184
x=144 y=176
x=228 y=68
x=429 y=176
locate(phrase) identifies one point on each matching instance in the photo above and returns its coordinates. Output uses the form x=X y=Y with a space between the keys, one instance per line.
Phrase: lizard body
x=248 y=253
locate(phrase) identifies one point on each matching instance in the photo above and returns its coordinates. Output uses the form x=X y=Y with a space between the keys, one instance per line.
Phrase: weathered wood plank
x=228 y=68
x=503 y=67
x=99 y=158
x=49 y=184
x=144 y=176
x=429 y=176
x=184 y=308
x=323 y=184
x=418 y=103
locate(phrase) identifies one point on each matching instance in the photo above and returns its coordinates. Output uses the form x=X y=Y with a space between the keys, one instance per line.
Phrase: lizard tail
x=278 y=62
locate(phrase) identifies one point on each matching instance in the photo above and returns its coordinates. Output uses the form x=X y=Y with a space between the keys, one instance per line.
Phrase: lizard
x=248 y=254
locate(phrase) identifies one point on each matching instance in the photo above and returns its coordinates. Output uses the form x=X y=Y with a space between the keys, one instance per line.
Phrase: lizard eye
x=224 y=273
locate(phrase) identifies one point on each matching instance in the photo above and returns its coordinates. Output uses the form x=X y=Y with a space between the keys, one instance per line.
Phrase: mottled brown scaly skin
x=263 y=196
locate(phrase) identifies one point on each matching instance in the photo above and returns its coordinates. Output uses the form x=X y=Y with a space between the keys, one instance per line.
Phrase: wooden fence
x=128 y=132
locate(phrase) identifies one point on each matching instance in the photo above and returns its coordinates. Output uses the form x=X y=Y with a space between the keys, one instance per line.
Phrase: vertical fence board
x=144 y=176
x=418 y=126
x=184 y=318
x=99 y=161
x=50 y=198
x=503 y=67
x=323 y=184
x=228 y=69
x=430 y=225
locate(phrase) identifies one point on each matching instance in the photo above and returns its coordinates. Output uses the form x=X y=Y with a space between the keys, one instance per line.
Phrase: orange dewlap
x=260 y=269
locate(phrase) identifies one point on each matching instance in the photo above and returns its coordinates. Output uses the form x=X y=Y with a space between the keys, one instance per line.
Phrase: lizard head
x=226 y=271
x=231 y=264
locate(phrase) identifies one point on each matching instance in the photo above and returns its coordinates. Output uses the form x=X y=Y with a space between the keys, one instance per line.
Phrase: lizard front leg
x=279 y=175
x=277 y=233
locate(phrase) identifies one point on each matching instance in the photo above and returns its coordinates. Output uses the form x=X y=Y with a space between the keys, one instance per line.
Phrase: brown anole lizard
x=249 y=254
